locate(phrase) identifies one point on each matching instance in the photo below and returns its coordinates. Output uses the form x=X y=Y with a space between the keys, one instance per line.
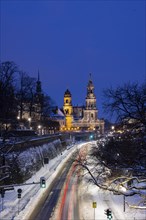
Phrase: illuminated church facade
x=82 y=117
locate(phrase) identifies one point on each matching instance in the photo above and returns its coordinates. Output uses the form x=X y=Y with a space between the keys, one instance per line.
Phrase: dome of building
x=67 y=93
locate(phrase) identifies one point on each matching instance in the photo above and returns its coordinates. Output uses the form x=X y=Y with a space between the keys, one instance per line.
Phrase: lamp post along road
x=39 y=129
x=124 y=203
x=29 y=120
x=124 y=190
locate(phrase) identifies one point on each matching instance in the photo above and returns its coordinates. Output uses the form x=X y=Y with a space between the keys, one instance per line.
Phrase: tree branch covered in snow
x=109 y=171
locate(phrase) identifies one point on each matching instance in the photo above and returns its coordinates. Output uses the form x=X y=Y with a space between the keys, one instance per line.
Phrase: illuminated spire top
x=38 y=75
x=67 y=93
x=90 y=83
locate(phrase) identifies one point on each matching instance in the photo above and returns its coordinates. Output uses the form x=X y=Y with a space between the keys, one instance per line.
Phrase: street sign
x=19 y=190
x=2 y=192
x=94 y=204
x=46 y=160
x=9 y=188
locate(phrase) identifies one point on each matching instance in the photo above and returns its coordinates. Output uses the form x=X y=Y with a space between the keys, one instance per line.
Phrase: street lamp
x=124 y=203
x=124 y=190
x=113 y=127
x=18 y=117
x=39 y=129
x=29 y=120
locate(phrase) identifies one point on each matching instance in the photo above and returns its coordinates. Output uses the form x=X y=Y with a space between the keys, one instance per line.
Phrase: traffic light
x=91 y=136
x=19 y=193
x=108 y=212
x=42 y=182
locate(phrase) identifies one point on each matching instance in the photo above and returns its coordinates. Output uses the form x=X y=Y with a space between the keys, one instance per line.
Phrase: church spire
x=90 y=78
x=38 y=86
x=38 y=75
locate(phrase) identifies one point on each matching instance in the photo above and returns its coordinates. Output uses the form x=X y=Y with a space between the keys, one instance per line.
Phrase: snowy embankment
x=13 y=208
x=122 y=207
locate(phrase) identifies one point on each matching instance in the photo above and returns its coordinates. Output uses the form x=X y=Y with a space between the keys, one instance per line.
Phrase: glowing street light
x=29 y=120
x=39 y=129
x=18 y=117
x=113 y=128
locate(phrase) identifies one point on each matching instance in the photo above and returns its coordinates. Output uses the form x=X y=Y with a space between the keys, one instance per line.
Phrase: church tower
x=90 y=111
x=68 y=109
x=38 y=99
x=38 y=85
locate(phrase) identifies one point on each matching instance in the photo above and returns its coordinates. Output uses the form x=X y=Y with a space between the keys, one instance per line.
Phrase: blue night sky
x=66 y=40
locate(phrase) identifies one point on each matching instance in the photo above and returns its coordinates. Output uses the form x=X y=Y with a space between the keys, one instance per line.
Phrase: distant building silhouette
x=33 y=106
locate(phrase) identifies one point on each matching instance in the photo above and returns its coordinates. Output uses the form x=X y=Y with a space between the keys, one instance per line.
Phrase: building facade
x=68 y=109
x=82 y=117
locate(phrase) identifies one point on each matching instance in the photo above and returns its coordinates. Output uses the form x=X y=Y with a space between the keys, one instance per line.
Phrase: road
x=68 y=208
x=65 y=190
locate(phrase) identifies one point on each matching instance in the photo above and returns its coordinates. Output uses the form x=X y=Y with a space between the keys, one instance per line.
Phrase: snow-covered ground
x=105 y=200
x=14 y=208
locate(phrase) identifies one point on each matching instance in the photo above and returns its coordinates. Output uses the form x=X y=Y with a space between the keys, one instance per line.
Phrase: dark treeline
x=20 y=92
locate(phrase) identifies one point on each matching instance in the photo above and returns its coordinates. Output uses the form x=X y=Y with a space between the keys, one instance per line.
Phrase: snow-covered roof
x=60 y=113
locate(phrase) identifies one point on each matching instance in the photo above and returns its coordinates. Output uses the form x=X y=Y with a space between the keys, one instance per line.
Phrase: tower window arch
x=67 y=111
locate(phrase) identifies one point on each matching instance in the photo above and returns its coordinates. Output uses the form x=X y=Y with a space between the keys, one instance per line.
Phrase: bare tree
x=127 y=102
x=25 y=93
x=48 y=106
x=110 y=166
x=8 y=105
